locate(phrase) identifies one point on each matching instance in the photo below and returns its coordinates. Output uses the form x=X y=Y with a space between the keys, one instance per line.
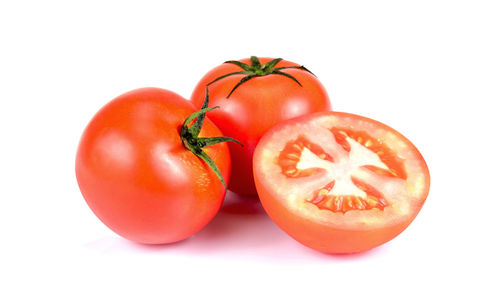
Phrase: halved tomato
x=339 y=183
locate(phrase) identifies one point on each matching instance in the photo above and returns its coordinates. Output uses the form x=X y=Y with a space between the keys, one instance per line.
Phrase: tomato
x=339 y=183
x=269 y=94
x=137 y=175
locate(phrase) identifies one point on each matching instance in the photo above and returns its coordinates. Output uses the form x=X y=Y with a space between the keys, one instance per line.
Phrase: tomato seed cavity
x=323 y=198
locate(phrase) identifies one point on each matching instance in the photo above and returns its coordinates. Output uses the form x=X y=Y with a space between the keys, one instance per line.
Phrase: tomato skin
x=255 y=107
x=136 y=175
x=317 y=235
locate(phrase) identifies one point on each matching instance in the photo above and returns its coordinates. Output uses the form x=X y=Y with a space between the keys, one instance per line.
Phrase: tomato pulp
x=339 y=183
x=138 y=177
x=247 y=111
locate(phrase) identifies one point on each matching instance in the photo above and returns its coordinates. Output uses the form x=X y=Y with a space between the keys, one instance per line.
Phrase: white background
x=430 y=69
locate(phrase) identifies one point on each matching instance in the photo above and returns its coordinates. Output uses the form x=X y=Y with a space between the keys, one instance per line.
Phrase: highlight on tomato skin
x=338 y=182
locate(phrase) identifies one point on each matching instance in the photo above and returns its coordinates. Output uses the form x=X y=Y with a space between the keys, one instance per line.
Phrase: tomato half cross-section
x=339 y=183
x=255 y=94
x=146 y=173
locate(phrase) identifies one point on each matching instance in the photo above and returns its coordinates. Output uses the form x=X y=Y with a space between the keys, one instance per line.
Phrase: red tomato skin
x=255 y=107
x=137 y=176
x=321 y=237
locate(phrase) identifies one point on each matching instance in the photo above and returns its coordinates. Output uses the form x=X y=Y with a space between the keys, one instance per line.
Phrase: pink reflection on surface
x=240 y=230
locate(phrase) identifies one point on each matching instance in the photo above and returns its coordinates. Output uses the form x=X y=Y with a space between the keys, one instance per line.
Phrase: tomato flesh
x=338 y=182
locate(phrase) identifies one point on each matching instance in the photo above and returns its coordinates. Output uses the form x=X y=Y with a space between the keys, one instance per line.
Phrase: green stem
x=256 y=69
x=195 y=144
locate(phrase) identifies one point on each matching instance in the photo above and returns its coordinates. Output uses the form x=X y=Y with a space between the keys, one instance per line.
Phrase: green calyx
x=256 y=69
x=191 y=140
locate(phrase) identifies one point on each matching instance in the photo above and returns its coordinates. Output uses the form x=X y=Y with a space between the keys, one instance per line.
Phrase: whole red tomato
x=254 y=95
x=146 y=174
